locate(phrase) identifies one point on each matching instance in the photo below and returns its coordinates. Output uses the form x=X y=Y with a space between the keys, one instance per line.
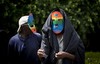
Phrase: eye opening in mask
x=31 y=25
x=59 y=19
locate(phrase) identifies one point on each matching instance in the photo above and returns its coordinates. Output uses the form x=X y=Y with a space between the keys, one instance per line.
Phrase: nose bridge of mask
x=58 y=21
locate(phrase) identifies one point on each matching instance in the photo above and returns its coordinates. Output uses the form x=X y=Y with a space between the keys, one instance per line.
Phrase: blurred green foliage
x=92 y=58
x=84 y=14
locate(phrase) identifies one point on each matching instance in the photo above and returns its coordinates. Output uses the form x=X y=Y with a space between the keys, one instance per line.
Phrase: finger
x=59 y=53
x=55 y=55
x=40 y=50
x=40 y=54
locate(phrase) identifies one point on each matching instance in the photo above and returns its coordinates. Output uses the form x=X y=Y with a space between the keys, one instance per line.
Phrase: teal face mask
x=31 y=23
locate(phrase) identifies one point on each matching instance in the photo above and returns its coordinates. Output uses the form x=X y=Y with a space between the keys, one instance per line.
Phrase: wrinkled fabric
x=71 y=42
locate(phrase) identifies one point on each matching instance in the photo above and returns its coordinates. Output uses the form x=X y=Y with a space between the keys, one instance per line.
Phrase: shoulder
x=38 y=34
x=13 y=39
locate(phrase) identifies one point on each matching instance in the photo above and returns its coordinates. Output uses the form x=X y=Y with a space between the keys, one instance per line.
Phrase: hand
x=60 y=55
x=41 y=53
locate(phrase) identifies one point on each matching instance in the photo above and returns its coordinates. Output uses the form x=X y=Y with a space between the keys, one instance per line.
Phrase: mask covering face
x=57 y=22
x=31 y=23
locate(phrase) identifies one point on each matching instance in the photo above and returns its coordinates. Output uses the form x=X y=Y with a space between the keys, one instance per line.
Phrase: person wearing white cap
x=23 y=46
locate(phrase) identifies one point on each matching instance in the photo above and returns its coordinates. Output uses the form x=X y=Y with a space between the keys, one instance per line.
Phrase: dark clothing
x=24 y=50
x=71 y=42
x=3 y=46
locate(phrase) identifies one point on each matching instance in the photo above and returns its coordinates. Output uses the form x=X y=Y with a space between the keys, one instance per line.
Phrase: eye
x=59 y=19
x=53 y=20
x=31 y=25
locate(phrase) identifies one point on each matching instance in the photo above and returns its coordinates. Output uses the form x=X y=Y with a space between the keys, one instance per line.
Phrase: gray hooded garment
x=71 y=42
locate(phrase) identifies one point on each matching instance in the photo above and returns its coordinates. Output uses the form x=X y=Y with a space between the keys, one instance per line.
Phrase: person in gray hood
x=61 y=44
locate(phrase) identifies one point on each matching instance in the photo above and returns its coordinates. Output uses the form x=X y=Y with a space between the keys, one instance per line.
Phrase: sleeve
x=10 y=51
x=80 y=54
x=39 y=36
x=12 y=54
x=45 y=45
x=77 y=49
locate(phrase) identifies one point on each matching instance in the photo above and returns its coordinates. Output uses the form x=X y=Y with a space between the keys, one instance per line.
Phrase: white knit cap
x=22 y=20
